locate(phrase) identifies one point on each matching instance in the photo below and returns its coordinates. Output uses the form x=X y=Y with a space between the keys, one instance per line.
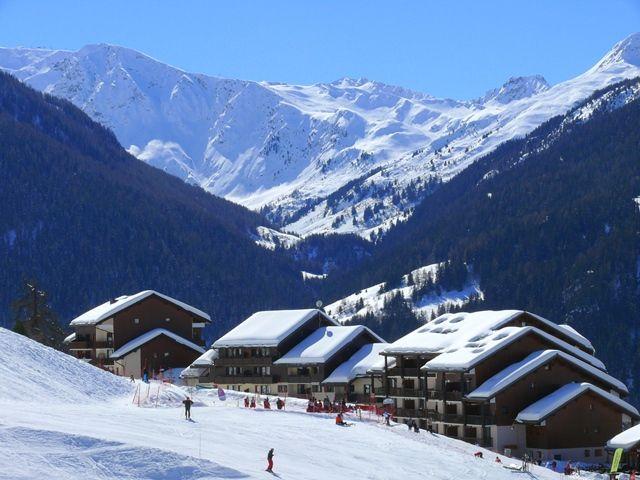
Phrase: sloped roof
x=491 y=387
x=468 y=353
x=440 y=333
x=69 y=338
x=547 y=406
x=323 y=343
x=110 y=308
x=192 y=372
x=627 y=439
x=206 y=359
x=361 y=362
x=150 y=335
x=268 y=328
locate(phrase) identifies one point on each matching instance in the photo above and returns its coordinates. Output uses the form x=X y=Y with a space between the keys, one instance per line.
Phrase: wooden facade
x=97 y=342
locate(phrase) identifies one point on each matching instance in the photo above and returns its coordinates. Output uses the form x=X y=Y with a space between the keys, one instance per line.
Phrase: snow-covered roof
x=150 y=335
x=546 y=406
x=627 y=439
x=268 y=328
x=323 y=344
x=111 y=307
x=441 y=333
x=206 y=359
x=361 y=362
x=69 y=338
x=192 y=372
x=468 y=353
x=575 y=334
x=518 y=370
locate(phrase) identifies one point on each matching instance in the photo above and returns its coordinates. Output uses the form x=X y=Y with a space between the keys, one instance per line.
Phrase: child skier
x=187 y=408
x=270 y=461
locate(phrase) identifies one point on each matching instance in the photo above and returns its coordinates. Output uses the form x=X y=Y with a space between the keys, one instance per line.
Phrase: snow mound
x=30 y=372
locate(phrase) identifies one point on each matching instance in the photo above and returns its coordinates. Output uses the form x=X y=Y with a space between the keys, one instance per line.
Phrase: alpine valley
x=389 y=205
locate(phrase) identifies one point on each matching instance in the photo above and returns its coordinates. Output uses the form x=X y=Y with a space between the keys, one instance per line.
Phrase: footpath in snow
x=61 y=418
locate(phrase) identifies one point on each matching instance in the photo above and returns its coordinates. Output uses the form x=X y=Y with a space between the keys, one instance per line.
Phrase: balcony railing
x=406 y=372
x=460 y=419
x=405 y=392
x=89 y=345
x=239 y=379
x=232 y=361
x=453 y=396
x=410 y=412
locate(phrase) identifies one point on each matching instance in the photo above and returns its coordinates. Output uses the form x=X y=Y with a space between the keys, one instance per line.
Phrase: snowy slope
x=47 y=433
x=288 y=147
x=424 y=302
x=30 y=371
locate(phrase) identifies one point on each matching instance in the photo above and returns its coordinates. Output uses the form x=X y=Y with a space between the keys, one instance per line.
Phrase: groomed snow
x=323 y=344
x=543 y=408
x=468 y=353
x=364 y=360
x=627 y=439
x=268 y=328
x=518 y=370
x=150 y=335
x=64 y=419
x=108 y=309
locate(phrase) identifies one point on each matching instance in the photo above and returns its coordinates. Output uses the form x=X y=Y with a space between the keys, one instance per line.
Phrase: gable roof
x=446 y=330
x=510 y=375
x=323 y=344
x=110 y=308
x=467 y=354
x=361 y=362
x=547 y=406
x=268 y=328
x=627 y=439
x=150 y=335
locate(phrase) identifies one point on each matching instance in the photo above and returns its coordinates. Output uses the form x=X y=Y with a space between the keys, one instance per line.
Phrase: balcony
x=407 y=372
x=405 y=392
x=242 y=361
x=302 y=379
x=453 y=396
x=239 y=379
x=88 y=345
x=410 y=412
x=460 y=419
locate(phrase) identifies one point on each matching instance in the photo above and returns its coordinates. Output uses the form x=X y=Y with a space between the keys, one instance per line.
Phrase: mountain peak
x=625 y=51
x=516 y=88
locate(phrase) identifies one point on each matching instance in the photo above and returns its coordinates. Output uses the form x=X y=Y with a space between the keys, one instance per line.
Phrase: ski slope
x=51 y=434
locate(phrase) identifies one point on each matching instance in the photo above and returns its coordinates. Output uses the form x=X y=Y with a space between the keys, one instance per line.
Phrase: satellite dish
x=319 y=304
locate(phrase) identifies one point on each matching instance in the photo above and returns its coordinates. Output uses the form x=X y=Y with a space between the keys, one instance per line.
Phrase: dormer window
x=136 y=321
x=167 y=319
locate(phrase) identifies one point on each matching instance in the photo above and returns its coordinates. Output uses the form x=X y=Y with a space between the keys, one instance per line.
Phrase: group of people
x=266 y=404
x=413 y=425
x=316 y=406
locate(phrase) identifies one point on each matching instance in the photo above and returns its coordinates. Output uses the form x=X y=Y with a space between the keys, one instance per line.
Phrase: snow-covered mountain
x=348 y=156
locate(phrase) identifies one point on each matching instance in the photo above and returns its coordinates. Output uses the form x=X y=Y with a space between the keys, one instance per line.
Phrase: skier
x=253 y=402
x=409 y=424
x=415 y=427
x=246 y=402
x=187 y=408
x=387 y=418
x=326 y=403
x=279 y=403
x=498 y=459
x=270 y=461
x=340 y=421
x=266 y=404
x=145 y=376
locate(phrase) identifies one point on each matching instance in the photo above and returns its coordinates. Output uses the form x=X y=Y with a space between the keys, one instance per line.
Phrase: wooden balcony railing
x=406 y=372
x=405 y=392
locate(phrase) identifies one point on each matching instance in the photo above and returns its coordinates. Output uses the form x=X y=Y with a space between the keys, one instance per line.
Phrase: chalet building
x=311 y=361
x=201 y=369
x=471 y=375
x=247 y=353
x=629 y=442
x=132 y=333
x=359 y=378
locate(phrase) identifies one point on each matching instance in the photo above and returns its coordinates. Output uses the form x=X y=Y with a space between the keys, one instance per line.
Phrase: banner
x=615 y=463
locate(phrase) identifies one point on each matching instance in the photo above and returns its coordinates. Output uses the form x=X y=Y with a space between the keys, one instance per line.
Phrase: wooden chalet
x=133 y=333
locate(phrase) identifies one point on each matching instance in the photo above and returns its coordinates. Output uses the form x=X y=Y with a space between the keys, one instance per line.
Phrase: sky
x=456 y=49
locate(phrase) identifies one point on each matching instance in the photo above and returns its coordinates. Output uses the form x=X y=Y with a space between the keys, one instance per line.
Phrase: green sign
x=615 y=463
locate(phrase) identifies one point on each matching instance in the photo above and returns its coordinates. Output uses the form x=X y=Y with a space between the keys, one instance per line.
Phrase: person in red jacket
x=270 y=461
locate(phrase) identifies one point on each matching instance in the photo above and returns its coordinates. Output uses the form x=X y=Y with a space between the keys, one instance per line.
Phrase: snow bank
x=31 y=372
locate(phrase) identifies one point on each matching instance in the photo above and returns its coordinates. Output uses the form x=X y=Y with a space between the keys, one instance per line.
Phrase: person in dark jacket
x=270 y=461
x=187 y=408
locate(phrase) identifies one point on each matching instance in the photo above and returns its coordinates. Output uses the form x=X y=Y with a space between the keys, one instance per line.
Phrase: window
x=136 y=320
x=264 y=389
x=367 y=388
x=167 y=319
x=166 y=354
x=597 y=452
x=282 y=388
x=587 y=453
x=596 y=429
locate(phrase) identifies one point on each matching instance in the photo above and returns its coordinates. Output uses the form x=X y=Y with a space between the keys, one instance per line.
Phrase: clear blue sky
x=446 y=48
